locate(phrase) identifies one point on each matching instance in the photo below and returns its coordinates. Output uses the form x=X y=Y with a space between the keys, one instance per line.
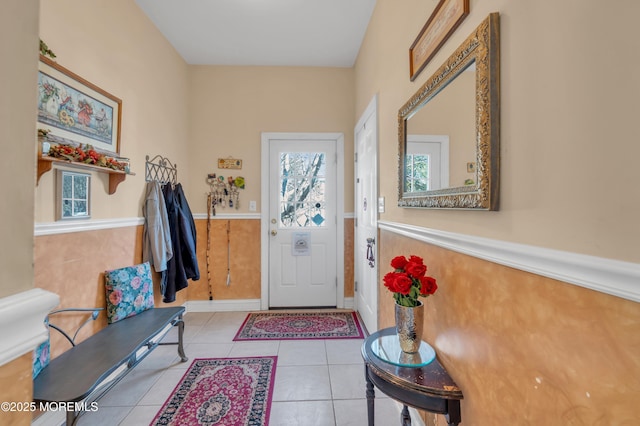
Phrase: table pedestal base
x=427 y=387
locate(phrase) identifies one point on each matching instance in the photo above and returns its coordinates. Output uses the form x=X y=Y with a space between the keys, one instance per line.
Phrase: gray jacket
x=156 y=236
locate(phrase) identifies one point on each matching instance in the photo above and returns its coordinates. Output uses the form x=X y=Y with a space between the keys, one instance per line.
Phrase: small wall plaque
x=229 y=163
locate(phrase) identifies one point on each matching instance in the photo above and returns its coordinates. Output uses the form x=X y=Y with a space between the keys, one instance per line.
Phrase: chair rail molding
x=22 y=322
x=64 y=227
x=617 y=278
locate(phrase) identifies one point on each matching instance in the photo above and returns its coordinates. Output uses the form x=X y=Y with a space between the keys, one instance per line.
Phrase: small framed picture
x=444 y=20
x=74 y=195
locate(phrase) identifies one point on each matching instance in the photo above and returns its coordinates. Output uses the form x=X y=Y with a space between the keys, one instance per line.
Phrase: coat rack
x=160 y=169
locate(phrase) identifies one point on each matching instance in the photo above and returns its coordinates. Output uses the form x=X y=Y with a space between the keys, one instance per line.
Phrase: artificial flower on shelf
x=408 y=281
x=85 y=154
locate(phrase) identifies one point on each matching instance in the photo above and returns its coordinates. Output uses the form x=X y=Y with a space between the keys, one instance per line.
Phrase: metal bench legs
x=178 y=322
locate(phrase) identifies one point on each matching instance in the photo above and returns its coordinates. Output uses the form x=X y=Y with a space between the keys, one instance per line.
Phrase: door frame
x=264 y=209
x=443 y=141
x=370 y=111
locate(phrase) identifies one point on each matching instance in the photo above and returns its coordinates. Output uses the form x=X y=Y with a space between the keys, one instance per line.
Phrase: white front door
x=366 y=217
x=302 y=222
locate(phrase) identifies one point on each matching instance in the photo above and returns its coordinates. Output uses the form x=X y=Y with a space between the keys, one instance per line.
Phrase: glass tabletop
x=387 y=348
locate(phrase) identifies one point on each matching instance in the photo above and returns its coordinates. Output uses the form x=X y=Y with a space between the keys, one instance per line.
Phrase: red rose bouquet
x=408 y=280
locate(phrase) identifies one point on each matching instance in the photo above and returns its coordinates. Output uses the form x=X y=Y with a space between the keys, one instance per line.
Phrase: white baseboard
x=222 y=305
x=22 y=322
x=232 y=305
x=621 y=279
x=416 y=420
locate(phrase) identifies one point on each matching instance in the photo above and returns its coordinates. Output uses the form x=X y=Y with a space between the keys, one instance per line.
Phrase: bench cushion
x=41 y=356
x=129 y=291
x=73 y=375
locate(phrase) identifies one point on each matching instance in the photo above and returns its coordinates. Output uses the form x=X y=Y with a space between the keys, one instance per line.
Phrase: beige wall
x=568 y=135
x=121 y=51
x=112 y=44
x=176 y=110
x=231 y=106
x=18 y=47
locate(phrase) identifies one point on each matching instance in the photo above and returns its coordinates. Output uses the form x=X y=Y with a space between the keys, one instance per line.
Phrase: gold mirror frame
x=483 y=47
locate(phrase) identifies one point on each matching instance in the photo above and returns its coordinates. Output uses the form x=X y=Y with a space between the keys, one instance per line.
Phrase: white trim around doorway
x=264 y=221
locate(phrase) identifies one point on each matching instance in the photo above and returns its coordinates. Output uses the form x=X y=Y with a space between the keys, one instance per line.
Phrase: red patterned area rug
x=300 y=325
x=222 y=392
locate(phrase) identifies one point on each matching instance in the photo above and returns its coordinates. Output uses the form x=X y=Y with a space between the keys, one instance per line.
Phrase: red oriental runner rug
x=222 y=392
x=300 y=325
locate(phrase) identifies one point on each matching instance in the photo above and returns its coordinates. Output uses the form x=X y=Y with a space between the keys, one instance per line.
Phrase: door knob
x=274 y=232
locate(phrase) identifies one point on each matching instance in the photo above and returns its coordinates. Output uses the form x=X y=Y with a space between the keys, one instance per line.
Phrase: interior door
x=302 y=223
x=366 y=212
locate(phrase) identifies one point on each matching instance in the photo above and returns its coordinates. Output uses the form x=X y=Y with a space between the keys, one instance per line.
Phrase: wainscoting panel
x=16 y=386
x=70 y=260
x=244 y=264
x=72 y=265
x=524 y=348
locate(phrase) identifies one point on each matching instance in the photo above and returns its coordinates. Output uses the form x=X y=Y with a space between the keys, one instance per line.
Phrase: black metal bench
x=89 y=369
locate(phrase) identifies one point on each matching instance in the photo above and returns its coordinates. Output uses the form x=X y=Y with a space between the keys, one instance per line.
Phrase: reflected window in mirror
x=427 y=163
x=417 y=177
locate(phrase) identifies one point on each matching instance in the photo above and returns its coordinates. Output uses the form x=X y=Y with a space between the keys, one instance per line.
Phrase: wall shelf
x=45 y=164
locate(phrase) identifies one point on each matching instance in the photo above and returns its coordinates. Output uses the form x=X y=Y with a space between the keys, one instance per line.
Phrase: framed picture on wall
x=445 y=18
x=73 y=109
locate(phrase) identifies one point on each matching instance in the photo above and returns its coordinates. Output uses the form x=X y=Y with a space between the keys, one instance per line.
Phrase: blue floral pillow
x=41 y=355
x=129 y=291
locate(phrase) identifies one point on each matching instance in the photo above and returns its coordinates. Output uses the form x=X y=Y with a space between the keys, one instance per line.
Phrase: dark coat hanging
x=188 y=234
x=174 y=278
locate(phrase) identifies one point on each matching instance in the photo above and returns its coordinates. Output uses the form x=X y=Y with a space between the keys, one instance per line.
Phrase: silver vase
x=409 y=327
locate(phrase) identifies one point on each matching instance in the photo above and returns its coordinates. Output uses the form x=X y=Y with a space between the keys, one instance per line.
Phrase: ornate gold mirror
x=449 y=131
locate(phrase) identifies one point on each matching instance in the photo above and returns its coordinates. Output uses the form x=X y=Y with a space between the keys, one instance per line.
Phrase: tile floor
x=318 y=382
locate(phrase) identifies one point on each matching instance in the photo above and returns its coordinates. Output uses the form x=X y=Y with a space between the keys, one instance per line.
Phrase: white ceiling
x=325 y=33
